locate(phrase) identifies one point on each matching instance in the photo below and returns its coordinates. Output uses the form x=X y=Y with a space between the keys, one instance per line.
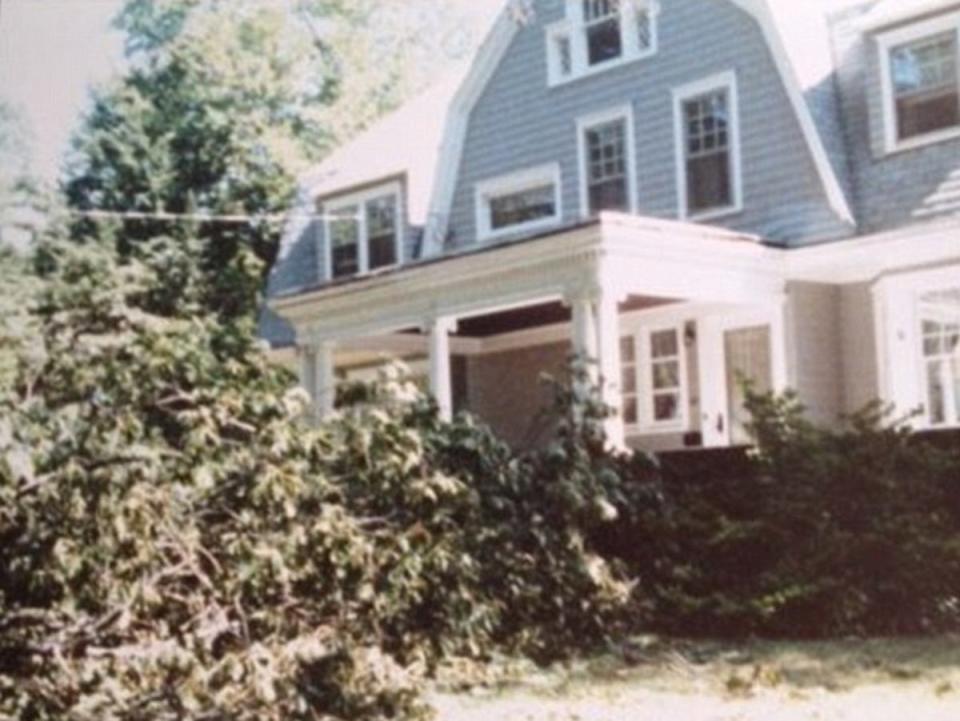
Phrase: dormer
x=597 y=35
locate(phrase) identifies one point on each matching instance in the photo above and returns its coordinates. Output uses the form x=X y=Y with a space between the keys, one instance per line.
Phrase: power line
x=206 y=217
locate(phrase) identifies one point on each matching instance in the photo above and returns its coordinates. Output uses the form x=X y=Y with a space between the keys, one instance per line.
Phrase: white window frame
x=516 y=183
x=585 y=123
x=647 y=423
x=886 y=42
x=725 y=81
x=330 y=206
x=574 y=28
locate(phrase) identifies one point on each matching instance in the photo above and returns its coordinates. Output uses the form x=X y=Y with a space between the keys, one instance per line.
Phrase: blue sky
x=53 y=51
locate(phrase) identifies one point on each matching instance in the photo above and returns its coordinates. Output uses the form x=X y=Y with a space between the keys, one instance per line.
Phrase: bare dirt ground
x=650 y=680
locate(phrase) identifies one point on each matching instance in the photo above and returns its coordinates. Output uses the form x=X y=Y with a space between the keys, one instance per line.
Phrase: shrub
x=817 y=534
x=176 y=543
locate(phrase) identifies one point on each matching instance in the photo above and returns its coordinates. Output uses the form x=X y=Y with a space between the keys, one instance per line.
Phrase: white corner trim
x=359 y=199
x=886 y=42
x=517 y=182
x=584 y=123
x=721 y=81
x=484 y=65
x=838 y=200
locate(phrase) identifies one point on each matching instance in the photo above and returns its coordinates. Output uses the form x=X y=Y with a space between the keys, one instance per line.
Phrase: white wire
x=204 y=217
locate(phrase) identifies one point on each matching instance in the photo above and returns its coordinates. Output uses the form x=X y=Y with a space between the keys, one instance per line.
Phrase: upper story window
x=607 y=162
x=940 y=333
x=363 y=231
x=599 y=34
x=708 y=148
x=518 y=202
x=921 y=83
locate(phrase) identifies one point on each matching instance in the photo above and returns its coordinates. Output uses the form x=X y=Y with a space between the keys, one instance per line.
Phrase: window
x=940 y=333
x=599 y=34
x=707 y=137
x=665 y=377
x=601 y=24
x=653 y=383
x=363 y=231
x=921 y=82
x=607 y=162
x=522 y=201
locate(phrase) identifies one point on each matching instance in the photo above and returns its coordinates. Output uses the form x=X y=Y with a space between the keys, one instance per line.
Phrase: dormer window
x=600 y=34
x=363 y=231
x=520 y=202
x=921 y=84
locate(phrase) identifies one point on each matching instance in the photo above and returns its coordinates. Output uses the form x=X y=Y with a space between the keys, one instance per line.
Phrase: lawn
x=650 y=680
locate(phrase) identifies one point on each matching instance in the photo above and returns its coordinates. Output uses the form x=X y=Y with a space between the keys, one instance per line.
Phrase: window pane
x=628 y=380
x=382 y=231
x=936 y=393
x=603 y=41
x=666 y=375
x=628 y=351
x=523 y=207
x=344 y=242
x=564 y=55
x=665 y=344
x=924 y=76
x=631 y=411
x=644 y=29
x=708 y=182
x=666 y=407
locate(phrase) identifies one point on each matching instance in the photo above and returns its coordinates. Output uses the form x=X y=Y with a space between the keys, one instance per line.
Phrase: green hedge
x=814 y=534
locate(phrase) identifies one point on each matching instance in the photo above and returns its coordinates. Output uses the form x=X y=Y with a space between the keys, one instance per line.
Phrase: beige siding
x=817 y=354
x=858 y=341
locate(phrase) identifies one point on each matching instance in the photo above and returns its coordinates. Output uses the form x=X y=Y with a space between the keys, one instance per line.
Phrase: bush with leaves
x=818 y=533
x=175 y=543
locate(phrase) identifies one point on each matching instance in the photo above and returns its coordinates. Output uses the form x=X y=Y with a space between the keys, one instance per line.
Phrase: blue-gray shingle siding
x=520 y=122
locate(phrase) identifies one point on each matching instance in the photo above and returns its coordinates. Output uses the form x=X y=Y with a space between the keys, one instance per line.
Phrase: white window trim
x=721 y=81
x=902 y=36
x=584 y=123
x=515 y=183
x=331 y=205
x=647 y=425
x=574 y=28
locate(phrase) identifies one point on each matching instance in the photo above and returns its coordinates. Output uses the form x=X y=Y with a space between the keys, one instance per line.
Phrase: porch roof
x=619 y=254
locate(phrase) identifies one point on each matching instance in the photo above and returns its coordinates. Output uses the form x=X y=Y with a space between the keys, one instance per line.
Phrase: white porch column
x=318 y=377
x=596 y=340
x=441 y=383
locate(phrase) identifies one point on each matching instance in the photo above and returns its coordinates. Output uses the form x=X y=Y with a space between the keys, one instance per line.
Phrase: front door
x=748 y=359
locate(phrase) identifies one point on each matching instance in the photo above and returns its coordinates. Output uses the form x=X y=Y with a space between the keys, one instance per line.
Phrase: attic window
x=600 y=34
x=921 y=82
x=363 y=231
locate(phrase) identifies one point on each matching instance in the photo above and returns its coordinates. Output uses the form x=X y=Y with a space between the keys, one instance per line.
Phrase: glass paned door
x=748 y=357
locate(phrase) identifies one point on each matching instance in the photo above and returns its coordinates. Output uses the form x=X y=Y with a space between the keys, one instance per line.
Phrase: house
x=685 y=191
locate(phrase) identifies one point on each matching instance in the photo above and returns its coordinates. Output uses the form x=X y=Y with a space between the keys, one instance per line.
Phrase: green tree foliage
x=21 y=196
x=224 y=104
x=176 y=544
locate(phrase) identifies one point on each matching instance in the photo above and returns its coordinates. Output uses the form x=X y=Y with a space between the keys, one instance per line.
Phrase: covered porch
x=669 y=315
